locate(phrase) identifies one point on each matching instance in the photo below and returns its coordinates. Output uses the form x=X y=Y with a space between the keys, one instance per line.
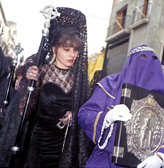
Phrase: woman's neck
x=60 y=66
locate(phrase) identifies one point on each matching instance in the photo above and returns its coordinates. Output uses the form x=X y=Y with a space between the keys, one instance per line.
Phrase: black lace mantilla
x=51 y=75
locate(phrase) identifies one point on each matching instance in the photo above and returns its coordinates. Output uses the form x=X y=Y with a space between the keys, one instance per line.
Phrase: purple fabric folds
x=142 y=69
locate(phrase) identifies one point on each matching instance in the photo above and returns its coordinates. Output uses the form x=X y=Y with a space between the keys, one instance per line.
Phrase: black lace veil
x=75 y=152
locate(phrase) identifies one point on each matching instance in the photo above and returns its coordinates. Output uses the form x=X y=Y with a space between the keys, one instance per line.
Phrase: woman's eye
x=66 y=49
x=143 y=56
x=154 y=57
x=76 y=50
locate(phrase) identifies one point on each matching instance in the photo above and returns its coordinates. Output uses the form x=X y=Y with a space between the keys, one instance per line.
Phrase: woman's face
x=65 y=56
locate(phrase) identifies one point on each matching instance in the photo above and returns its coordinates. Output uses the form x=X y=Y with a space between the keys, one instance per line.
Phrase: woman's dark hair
x=66 y=37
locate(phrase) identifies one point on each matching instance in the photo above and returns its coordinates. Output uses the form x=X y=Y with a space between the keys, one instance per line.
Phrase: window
x=145 y=8
x=121 y=19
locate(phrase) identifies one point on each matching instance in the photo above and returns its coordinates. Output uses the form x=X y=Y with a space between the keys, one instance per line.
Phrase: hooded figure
x=143 y=69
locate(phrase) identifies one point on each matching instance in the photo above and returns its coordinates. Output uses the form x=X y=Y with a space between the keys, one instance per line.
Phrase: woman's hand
x=32 y=73
x=67 y=118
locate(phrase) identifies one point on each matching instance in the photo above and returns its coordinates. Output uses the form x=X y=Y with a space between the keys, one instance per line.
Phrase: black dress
x=54 y=102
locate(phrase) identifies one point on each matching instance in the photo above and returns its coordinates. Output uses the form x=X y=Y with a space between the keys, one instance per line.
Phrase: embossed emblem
x=145 y=131
x=150 y=101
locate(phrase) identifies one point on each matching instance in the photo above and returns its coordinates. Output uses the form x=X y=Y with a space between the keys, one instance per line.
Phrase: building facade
x=8 y=33
x=133 y=23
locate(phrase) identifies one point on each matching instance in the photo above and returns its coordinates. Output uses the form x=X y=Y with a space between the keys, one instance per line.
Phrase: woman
x=60 y=96
x=61 y=88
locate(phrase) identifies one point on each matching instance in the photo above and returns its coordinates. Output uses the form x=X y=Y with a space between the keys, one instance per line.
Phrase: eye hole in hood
x=154 y=57
x=143 y=56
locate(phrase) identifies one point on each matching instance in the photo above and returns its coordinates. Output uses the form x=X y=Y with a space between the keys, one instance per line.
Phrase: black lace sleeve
x=24 y=92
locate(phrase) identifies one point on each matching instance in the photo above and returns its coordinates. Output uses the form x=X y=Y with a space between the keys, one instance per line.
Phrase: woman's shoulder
x=47 y=66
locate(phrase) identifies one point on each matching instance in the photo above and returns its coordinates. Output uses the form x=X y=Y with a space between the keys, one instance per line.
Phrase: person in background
x=4 y=72
x=9 y=62
x=99 y=115
x=19 y=72
x=11 y=117
x=5 y=67
x=98 y=75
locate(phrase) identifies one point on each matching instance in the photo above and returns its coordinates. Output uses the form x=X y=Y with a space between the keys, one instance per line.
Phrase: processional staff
x=49 y=12
x=17 y=50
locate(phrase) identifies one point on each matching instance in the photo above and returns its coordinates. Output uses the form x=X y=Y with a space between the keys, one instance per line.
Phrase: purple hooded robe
x=145 y=72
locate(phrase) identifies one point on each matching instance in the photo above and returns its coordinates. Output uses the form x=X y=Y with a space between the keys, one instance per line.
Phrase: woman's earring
x=53 y=58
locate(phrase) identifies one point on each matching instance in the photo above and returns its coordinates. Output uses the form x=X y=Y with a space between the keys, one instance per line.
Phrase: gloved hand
x=152 y=162
x=118 y=113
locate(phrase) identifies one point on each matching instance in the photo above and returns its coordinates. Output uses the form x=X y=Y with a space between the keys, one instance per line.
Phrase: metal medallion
x=145 y=131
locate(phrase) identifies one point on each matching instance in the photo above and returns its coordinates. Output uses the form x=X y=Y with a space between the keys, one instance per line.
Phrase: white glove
x=162 y=156
x=151 y=162
x=118 y=113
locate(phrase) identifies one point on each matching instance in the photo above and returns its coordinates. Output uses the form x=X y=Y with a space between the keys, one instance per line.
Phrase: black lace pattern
x=51 y=76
